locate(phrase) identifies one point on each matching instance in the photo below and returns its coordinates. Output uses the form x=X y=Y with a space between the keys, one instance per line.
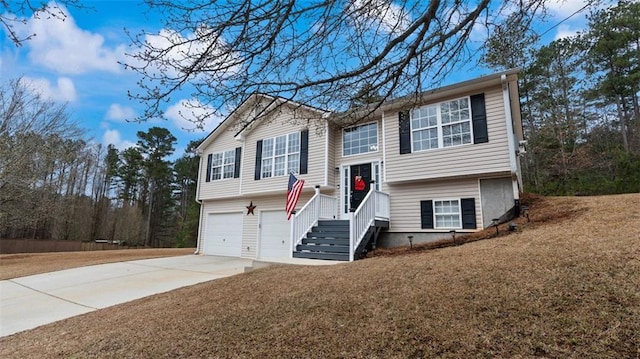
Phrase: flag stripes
x=294 y=190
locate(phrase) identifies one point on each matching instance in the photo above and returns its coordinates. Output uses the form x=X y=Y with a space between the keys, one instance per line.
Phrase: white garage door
x=274 y=235
x=223 y=236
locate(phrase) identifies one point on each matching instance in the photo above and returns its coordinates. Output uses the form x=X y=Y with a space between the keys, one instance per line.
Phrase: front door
x=360 y=183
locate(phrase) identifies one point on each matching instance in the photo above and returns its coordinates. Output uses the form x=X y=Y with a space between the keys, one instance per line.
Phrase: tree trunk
x=623 y=123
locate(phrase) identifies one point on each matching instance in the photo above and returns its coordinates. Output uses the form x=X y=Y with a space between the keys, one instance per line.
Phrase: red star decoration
x=250 y=208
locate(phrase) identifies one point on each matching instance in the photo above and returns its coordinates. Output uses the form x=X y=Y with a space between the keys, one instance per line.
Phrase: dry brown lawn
x=565 y=285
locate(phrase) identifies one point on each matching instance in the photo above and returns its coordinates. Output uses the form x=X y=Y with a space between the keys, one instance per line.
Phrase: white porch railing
x=382 y=200
x=375 y=205
x=320 y=206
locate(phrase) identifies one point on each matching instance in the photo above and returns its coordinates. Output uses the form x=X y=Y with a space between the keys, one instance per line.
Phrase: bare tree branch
x=16 y=13
x=321 y=53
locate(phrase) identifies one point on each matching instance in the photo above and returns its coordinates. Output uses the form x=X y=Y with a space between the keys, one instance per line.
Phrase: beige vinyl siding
x=224 y=187
x=284 y=124
x=405 y=201
x=250 y=222
x=465 y=160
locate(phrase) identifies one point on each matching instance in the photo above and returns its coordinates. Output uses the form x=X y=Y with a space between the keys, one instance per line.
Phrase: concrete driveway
x=28 y=302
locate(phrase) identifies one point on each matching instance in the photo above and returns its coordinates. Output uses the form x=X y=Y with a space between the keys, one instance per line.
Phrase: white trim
x=459 y=200
x=384 y=146
x=286 y=155
x=222 y=165
x=509 y=121
x=326 y=154
x=200 y=202
x=360 y=125
x=200 y=229
x=346 y=187
x=481 y=206
x=439 y=125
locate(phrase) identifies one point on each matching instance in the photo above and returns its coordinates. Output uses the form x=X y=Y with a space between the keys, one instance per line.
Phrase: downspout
x=326 y=151
x=383 y=176
x=510 y=135
x=201 y=209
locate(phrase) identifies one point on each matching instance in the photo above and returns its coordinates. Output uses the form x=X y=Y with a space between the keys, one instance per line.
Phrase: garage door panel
x=274 y=235
x=223 y=236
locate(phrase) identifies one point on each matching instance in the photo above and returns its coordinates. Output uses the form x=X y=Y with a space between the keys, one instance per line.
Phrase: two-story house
x=420 y=166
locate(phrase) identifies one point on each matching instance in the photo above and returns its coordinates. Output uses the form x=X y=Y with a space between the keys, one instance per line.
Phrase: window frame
x=439 y=126
x=273 y=155
x=227 y=160
x=352 y=128
x=436 y=214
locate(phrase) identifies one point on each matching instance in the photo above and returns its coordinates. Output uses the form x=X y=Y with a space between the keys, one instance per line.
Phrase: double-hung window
x=280 y=155
x=223 y=165
x=360 y=139
x=447 y=214
x=440 y=125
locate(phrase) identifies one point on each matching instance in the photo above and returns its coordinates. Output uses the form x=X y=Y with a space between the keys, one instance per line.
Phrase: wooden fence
x=11 y=246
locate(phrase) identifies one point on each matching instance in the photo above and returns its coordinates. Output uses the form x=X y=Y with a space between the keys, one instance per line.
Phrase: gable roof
x=246 y=105
x=374 y=109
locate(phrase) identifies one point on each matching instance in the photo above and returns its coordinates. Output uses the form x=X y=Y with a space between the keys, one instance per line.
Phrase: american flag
x=293 y=194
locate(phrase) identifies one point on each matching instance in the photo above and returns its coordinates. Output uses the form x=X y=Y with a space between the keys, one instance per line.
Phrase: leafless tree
x=16 y=12
x=321 y=53
x=32 y=145
x=25 y=119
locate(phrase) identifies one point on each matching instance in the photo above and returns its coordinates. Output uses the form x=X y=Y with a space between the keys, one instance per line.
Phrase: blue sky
x=76 y=62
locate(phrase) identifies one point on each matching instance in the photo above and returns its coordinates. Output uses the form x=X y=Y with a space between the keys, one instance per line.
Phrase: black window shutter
x=258 y=161
x=404 y=126
x=479 y=119
x=426 y=214
x=304 y=151
x=468 y=206
x=209 y=160
x=236 y=169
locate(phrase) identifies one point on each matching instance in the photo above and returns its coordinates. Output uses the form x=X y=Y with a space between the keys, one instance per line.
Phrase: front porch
x=317 y=233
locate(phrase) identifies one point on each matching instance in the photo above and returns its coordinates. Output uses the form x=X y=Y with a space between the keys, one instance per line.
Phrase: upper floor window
x=223 y=165
x=440 y=125
x=360 y=139
x=280 y=155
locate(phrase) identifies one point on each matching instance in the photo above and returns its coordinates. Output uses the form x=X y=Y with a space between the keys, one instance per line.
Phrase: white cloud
x=62 y=91
x=177 y=51
x=564 y=8
x=63 y=47
x=186 y=114
x=565 y=31
x=391 y=18
x=120 y=113
x=112 y=137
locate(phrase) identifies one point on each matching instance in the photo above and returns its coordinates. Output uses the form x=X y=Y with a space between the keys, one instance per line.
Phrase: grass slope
x=565 y=285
